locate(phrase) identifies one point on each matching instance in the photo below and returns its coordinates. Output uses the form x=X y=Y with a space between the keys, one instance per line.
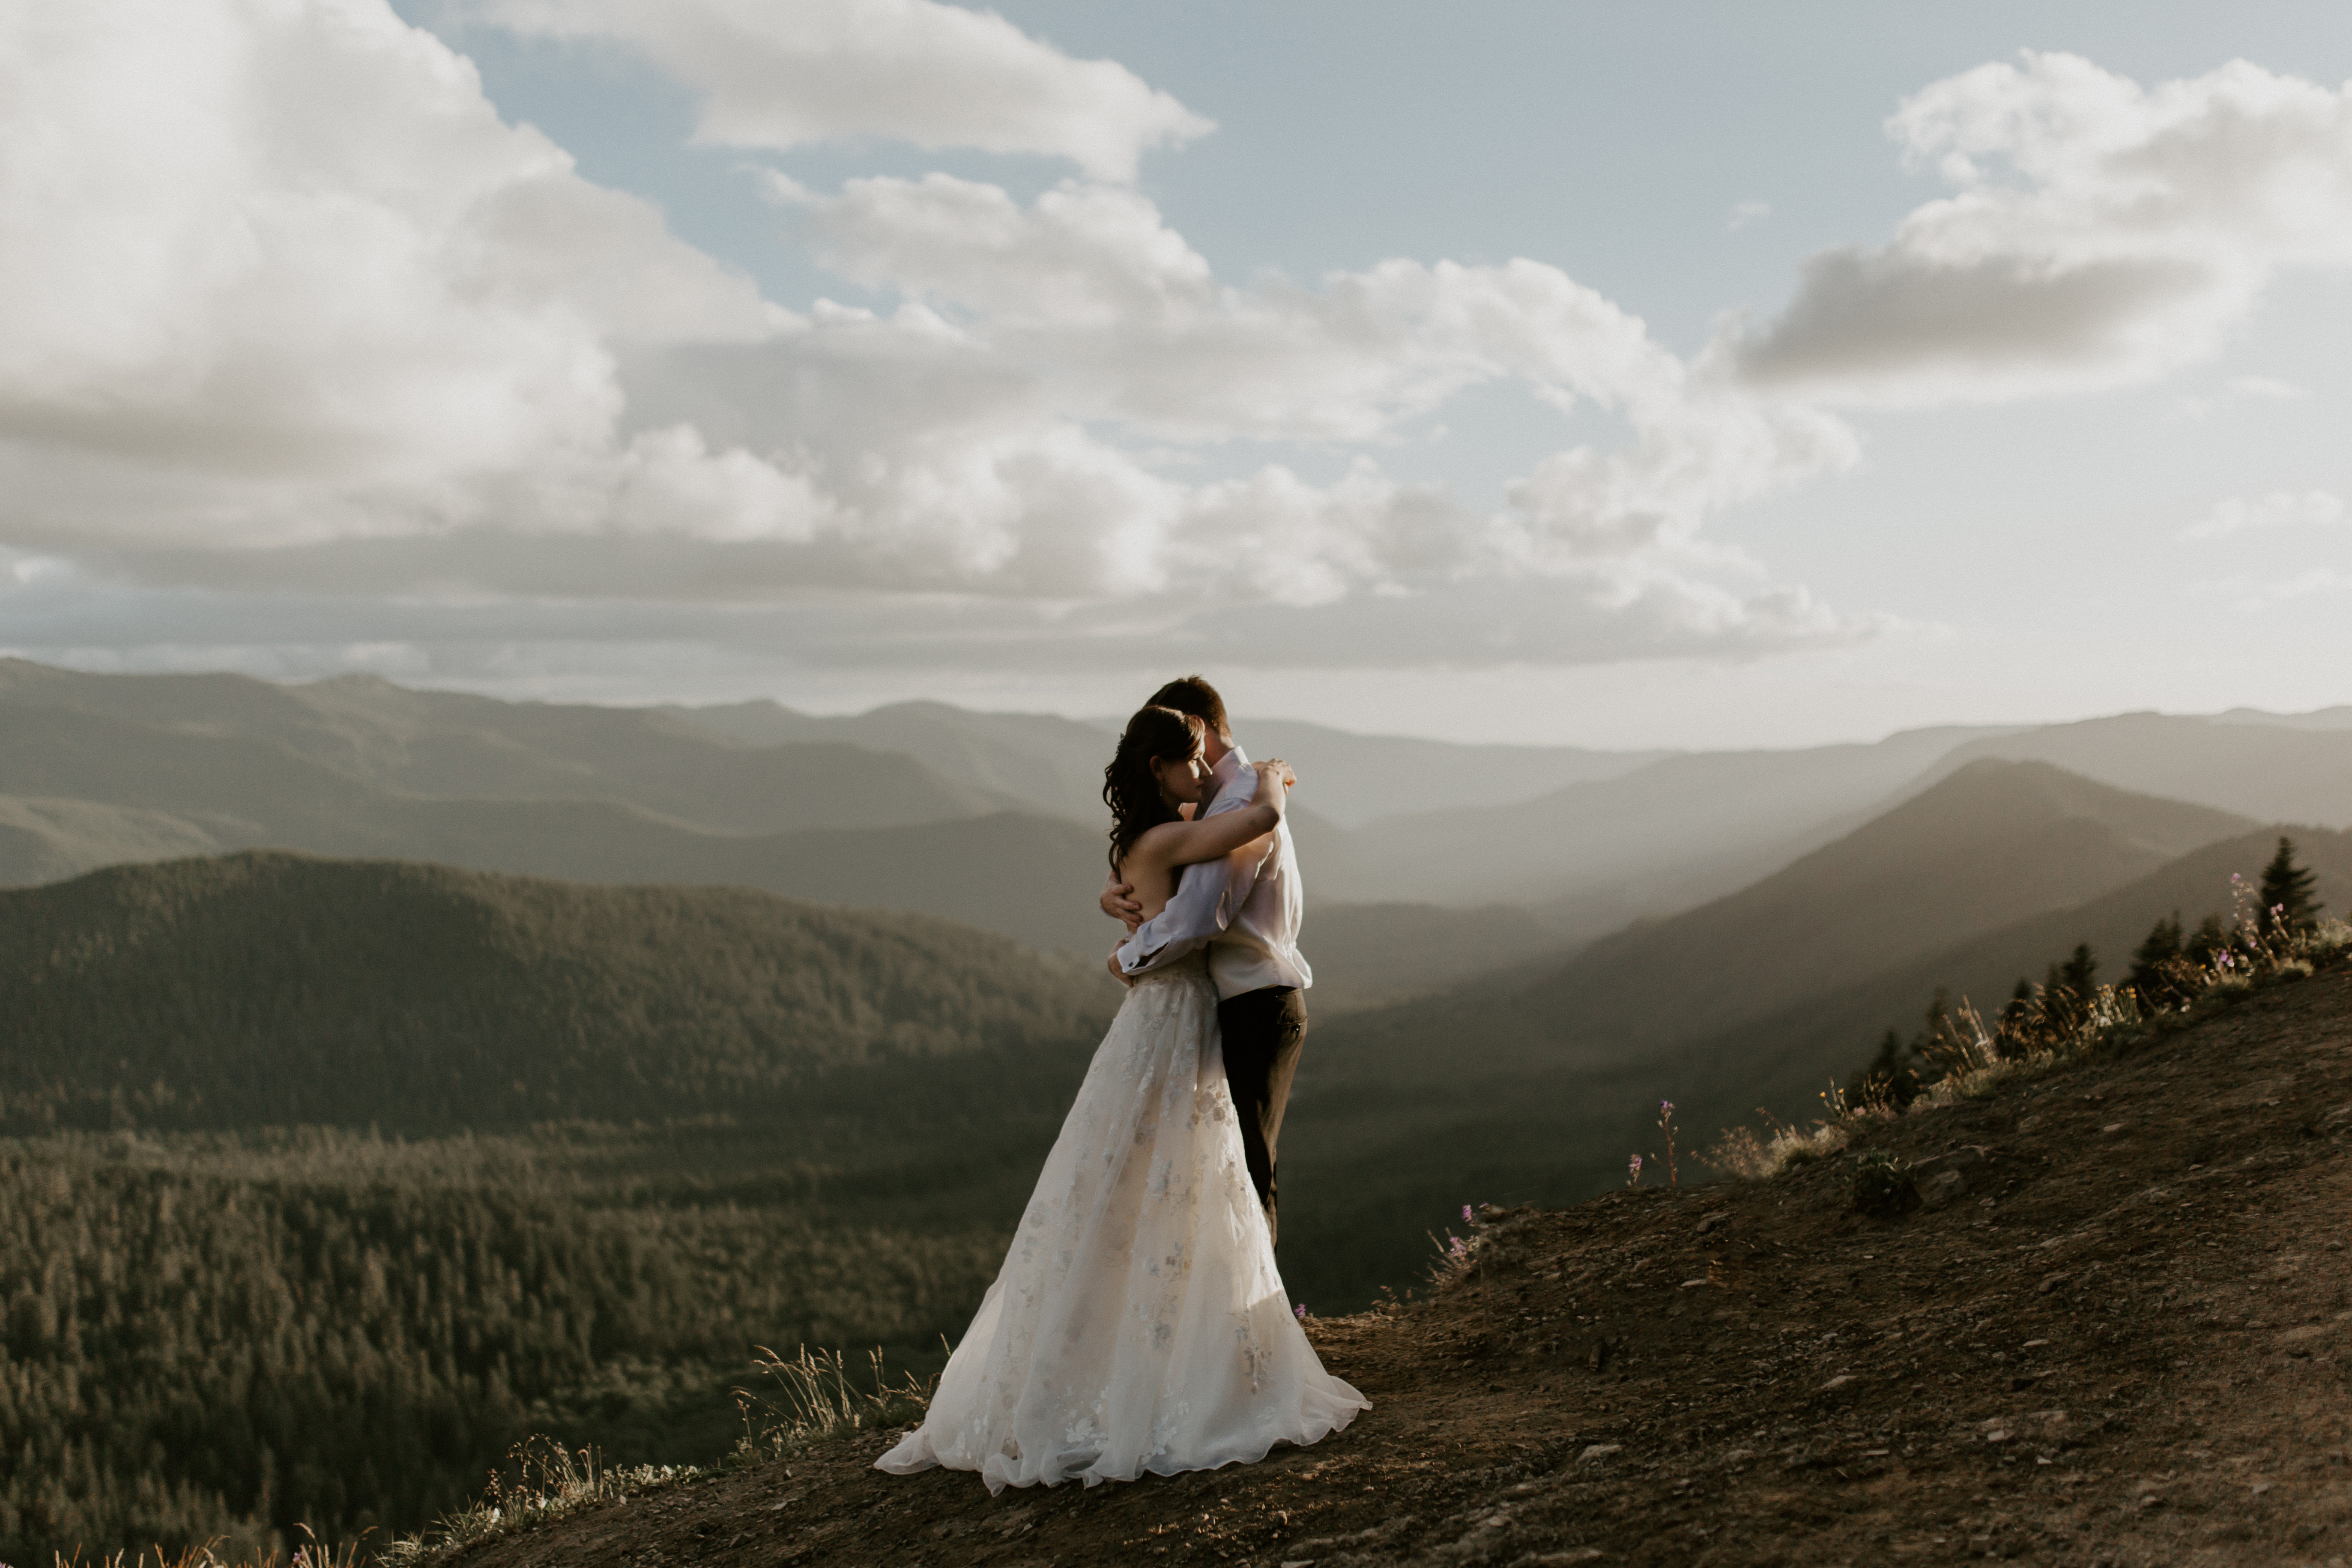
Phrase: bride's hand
x=1282 y=771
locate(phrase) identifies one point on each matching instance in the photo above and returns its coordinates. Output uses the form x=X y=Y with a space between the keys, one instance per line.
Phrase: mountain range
x=1535 y=1084
x=564 y=1052
x=1501 y=987
x=100 y=769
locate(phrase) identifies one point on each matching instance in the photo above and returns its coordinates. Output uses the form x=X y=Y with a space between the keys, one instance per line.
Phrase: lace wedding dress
x=1137 y=1323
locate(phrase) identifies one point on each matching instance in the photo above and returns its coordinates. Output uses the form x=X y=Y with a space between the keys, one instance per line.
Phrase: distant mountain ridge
x=95 y=738
x=1047 y=763
x=1994 y=842
x=1788 y=1056
x=1989 y=844
x=2276 y=770
x=1535 y=1084
x=856 y=809
x=1666 y=836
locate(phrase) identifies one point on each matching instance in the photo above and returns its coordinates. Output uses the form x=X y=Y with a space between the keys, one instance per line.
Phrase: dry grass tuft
x=550 y=1482
x=810 y=1398
x=311 y=1553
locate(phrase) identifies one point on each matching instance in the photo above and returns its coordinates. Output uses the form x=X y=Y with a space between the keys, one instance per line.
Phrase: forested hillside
x=224 y=1335
x=273 y=989
x=407 y=1163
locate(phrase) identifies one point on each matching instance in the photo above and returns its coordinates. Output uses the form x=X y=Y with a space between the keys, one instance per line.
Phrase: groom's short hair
x=1193 y=695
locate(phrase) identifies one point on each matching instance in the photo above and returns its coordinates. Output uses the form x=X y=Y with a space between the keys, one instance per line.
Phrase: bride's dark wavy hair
x=1128 y=788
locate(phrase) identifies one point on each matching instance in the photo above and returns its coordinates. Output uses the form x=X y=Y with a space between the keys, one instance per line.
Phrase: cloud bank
x=2258 y=514
x=784 y=74
x=2100 y=234
x=287 y=308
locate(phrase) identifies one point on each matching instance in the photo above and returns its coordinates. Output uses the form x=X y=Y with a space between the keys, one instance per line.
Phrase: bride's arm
x=1210 y=837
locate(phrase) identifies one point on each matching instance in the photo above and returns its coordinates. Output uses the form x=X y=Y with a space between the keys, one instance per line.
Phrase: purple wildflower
x=1465 y=1216
x=1460 y=1247
x=1301 y=1311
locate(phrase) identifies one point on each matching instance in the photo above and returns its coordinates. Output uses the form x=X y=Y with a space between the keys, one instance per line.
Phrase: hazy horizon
x=1241 y=718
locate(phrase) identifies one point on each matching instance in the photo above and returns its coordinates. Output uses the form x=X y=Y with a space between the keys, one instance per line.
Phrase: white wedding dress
x=1137 y=1323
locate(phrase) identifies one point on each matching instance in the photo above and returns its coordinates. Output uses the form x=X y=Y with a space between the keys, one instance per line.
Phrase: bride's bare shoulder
x=1156 y=844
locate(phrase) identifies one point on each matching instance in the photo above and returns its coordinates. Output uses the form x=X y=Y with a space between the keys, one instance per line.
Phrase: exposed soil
x=2128 y=1340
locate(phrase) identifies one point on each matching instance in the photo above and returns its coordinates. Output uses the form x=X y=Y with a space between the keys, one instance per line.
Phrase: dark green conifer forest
x=327 y=1181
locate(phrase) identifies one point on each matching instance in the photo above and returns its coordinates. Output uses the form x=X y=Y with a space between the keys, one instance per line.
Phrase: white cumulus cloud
x=786 y=73
x=2279 y=508
x=2099 y=232
x=287 y=308
x=276 y=271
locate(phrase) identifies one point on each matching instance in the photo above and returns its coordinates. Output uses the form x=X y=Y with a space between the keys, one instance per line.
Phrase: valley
x=694 y=1029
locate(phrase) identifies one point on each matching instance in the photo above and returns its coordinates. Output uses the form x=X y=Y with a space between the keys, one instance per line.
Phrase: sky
x=1702 y=376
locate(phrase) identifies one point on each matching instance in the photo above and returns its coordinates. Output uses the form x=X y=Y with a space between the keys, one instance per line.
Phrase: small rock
x=1943 y=1187
x=1711 y=1221
x=1840 y=1381
x=2048 y=1285
x=1599 y=1451
x=2113 y=1127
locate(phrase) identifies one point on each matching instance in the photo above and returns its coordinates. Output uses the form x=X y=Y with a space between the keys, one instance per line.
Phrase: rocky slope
x=2121 y=1336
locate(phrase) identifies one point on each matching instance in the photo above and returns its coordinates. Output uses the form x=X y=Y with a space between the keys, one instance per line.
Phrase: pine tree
x=2067 y=989
x=2082 y=971
x=2161 y=946
x=2287 y=903
x=2209 y=942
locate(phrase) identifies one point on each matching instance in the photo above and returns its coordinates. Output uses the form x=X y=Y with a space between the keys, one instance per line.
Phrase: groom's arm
x=1207 y=894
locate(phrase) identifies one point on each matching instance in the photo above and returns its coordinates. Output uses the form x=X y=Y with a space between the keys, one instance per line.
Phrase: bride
x=1137 y=1322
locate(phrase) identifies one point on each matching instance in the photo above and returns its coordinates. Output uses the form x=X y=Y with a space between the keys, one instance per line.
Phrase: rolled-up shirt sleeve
x=1207 y=894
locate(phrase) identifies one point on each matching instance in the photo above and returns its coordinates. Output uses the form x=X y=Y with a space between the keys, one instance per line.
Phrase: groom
x=1245 y=909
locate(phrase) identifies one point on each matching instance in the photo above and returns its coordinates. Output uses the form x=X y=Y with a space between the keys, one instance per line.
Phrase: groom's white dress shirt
x=1246 y=907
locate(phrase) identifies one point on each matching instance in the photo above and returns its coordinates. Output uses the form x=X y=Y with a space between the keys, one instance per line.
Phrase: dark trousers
x=1263 y=1033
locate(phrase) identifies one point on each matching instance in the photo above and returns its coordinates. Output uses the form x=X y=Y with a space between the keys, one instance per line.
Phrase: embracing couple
x=1139 y=1322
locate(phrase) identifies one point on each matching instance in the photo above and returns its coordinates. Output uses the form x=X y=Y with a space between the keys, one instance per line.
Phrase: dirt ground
x=2121 y=1336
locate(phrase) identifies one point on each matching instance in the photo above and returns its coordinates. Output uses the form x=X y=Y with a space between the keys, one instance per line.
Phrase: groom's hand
x=1119 y=902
